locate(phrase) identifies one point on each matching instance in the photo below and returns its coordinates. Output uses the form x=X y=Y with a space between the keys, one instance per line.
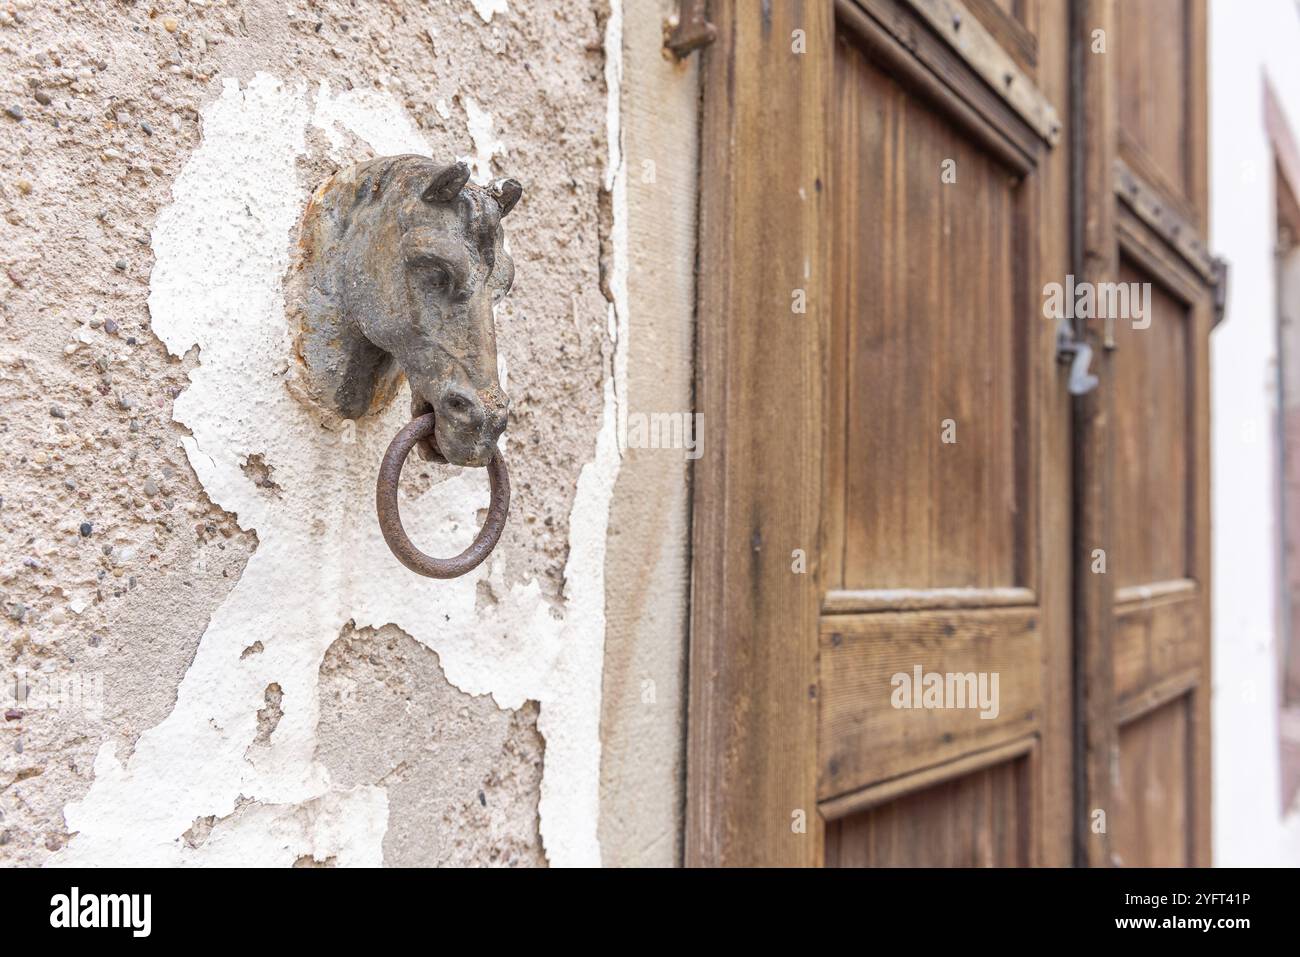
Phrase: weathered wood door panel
x=971 y=819
x=1158 y=644
x=932 y=538
x=928 y=325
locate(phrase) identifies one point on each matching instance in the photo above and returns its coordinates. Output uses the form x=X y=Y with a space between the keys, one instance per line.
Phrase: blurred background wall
x=1254 y=98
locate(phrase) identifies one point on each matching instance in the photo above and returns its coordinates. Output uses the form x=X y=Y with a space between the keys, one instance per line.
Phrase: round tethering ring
x=390 y=520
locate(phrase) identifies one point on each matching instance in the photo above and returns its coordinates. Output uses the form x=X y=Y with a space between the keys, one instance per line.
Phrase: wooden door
x=890 y=533
x=1142 y=570
x=936 y=554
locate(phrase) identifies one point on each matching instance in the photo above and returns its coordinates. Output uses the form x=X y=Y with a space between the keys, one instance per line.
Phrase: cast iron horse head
x=400 y=262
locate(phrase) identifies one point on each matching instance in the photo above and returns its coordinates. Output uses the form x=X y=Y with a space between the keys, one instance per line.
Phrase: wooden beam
x=857 y=601
x=878 y=794
x=764 y=250
x=890 y=33
x=1096 y=260
x=1182 y=236
x=964 y=32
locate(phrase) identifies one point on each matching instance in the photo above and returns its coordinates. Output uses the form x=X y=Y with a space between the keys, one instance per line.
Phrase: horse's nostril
x=462 y=407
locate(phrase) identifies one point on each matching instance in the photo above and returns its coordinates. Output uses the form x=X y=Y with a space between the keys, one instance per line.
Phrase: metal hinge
x=1220 y=289
x=689 y=30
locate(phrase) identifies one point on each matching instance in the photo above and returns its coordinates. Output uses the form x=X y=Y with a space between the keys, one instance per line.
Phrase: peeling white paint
x=616 y=183
x=584 y=574
x=343 y=828
x=372 y=115
x=222 y=249
x=486 y=8
x=486 y=144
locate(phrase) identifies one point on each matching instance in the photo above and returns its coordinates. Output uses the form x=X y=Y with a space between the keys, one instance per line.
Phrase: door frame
x=751 y=702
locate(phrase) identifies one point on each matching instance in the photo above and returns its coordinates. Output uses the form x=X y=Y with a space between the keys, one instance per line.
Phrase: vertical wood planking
x=1155 y=73
x=1144 y=445
x=1154 y=442
x=1198 y=113
x=1200 y=721
x=1198 y=138
x=1152 y=815
x=926 y=309
x=971 y=821
x=751 y=759
x=1094 y=111
x=1048 y=476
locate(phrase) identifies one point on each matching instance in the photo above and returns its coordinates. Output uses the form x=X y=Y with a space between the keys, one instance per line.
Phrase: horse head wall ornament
x=400 y=261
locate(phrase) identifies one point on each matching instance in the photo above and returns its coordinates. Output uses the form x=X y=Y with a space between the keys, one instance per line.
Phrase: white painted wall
x=1247 y=43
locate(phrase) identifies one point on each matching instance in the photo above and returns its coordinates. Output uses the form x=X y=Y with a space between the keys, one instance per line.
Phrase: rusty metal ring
x=390 y=521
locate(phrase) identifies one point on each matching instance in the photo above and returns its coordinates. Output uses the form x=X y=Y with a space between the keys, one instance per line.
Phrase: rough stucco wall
x=188 y=592
x=388 y=715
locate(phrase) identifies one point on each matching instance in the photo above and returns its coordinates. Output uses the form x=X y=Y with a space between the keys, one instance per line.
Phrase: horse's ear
x=507 y=192
x=446 y=184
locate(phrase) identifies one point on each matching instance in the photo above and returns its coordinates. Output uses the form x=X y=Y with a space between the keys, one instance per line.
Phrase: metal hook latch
x=1080 y=355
